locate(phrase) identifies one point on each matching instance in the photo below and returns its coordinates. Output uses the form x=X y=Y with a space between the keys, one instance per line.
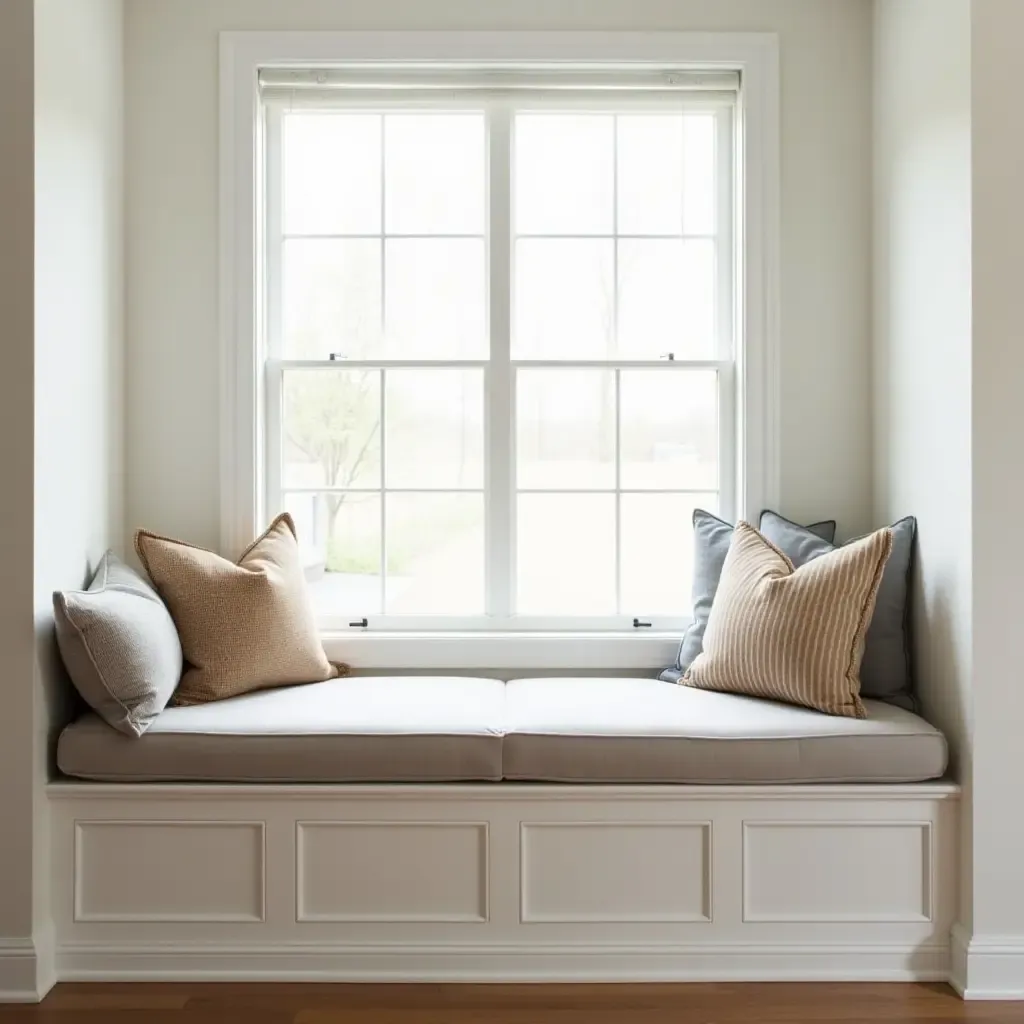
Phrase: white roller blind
x=298 y=85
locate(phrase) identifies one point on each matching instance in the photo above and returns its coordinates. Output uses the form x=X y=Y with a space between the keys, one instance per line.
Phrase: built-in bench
x=453 y=828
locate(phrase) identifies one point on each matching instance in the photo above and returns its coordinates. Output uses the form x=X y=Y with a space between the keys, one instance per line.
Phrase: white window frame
x=536 y=643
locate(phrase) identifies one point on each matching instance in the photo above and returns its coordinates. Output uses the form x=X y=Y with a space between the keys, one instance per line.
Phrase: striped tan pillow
x=795 y=635
x=243 y=626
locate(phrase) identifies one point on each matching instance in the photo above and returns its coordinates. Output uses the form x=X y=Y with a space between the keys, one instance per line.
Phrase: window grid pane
x=648 y=453
x=395 y=266
x=331 y=430
x=654 y=532
x=599 y=274
x=375 y=538
x=340 y=546
x=653 y=437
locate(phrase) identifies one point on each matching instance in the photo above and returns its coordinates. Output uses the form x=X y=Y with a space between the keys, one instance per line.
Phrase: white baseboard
x=958 y=942
x=27 y=969
x=987 y=967
x=46 y=960
x=510 y=963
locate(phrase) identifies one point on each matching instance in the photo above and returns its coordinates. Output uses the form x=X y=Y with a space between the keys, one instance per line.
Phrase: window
x=500 y=346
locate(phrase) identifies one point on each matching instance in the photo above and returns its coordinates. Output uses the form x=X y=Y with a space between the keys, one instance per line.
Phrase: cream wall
x=79 y=346
x=79 y=283
x=172 y=227
x=18 y=835
x=922 y=337
x=949 y=304
x=997 y=443
x=61 y=396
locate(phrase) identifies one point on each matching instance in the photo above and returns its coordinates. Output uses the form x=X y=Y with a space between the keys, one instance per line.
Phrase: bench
x=450 y=828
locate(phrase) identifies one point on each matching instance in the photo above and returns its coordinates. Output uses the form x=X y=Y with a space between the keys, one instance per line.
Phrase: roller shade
x=299 y=85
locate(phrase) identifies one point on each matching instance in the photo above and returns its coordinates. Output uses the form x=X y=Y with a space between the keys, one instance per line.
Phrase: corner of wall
x=27 y=968
x=881 y=499
x=986 y=968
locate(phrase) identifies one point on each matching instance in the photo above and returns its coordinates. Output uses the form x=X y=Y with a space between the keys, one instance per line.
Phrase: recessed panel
x=201 y=871
x=615 y=872
x=392 y=871
x=837 y=871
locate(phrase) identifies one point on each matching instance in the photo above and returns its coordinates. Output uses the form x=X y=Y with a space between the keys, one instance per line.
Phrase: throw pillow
x=243 y=626
x=711 y=537
x=885 y=672
x=788 y=634
x=119 y=645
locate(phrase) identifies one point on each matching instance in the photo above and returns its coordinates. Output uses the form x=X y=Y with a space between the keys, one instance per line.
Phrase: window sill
x=491 y=652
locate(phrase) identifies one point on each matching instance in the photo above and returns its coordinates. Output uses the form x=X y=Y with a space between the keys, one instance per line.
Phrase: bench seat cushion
x=642 y=730
x=372 y=729
x=445 y=729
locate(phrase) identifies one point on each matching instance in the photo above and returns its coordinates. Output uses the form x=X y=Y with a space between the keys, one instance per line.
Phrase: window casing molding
x=755 y=276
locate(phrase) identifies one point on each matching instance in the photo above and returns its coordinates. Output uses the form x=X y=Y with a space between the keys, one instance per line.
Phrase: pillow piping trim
x=862 y=628
x=800 y=526
x=284 y=517
x=782 y=554
x=129 y=715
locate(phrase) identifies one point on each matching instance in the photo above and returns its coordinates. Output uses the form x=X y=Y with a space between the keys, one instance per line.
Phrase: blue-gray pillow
x=885 y=671
x=711 y=539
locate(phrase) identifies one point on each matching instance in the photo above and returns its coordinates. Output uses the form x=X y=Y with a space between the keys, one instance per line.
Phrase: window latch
x=637 y=624
x=362 y=623
x=335 y=356
x=670 y=356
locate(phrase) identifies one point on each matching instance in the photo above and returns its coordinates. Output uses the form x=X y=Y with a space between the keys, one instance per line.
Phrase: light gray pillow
x=711 y=539
x=885 y=671
x=119 y=646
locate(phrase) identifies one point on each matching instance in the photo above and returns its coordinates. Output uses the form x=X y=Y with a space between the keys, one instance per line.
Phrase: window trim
x=756 y=276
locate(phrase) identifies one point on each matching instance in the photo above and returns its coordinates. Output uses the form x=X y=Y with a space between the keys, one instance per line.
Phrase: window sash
x=500 y=368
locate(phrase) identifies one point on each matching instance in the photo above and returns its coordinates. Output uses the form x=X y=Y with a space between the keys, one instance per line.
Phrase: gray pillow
x=885 y=671
x=119 y=646
x=711 y=538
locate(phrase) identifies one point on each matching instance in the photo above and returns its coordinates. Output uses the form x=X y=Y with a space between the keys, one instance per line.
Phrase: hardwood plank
x=43 y=1014
x=129 y=997
x=267 y=1003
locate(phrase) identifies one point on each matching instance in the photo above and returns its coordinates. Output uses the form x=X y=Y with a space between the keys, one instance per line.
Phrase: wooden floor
x=776 y=1003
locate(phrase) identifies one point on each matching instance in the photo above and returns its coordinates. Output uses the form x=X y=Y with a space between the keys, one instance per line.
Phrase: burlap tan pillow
x=794 y=635
x=244 y=626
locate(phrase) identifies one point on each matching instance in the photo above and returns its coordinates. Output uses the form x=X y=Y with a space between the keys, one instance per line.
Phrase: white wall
x=79 y=285
x=17 y=966
x=79 y=338
x=997 y=442
x=172 y=154
x=922 y=343
x=79 y=346
x=949 y=363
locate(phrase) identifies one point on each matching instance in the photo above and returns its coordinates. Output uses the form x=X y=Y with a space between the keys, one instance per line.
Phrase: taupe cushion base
x=444 y=729
x=642 y=730
x=383 y=729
